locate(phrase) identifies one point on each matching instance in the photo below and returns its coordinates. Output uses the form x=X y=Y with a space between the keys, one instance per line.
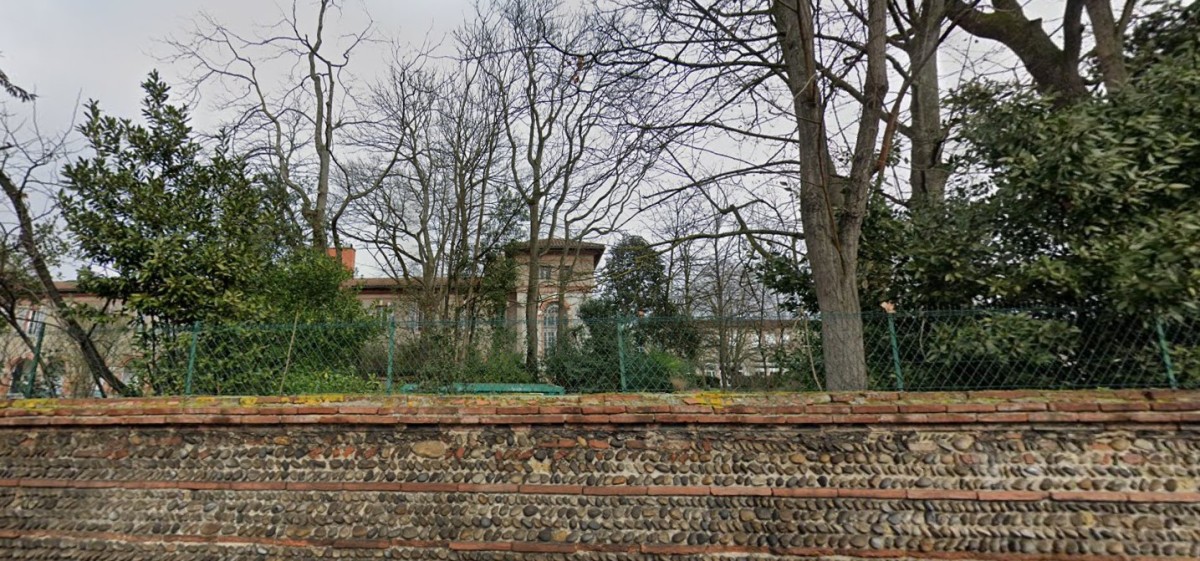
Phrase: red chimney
x=347 y=256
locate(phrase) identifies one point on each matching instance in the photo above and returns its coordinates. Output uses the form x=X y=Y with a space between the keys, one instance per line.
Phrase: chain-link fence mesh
x=1053 y=349
x=40 y=360
x=915 y=351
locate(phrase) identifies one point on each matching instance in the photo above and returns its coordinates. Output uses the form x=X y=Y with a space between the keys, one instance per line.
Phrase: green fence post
x=37 y=357
x=391 y=351
x=191 y=369
x=1166 y=353
x=895 y=352
x=621 y=353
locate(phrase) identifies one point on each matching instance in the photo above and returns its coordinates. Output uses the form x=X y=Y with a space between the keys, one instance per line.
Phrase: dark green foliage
x=1051 y=349
x=635 y=279
x=634 y=286
x=801 y=368
x=501 y=364
x=1167 y=32
x=308 y=285
x=14 y=90
x=498 y=281
x=433 y=357
x=329 y=381
x=270 y=359
x=590 y=359
x=1097 y=205
x=1092 y=207
x=939 y=258
x=791 y=280
x=192 y=241
x=1183 y=344
x=631 y=338
x=319 y=338
x=609 y=353
x=186 y=234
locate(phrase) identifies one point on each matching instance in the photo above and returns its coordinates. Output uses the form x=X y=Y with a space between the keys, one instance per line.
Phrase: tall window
x=32 y=319
x=550 y=328
x=546 y=272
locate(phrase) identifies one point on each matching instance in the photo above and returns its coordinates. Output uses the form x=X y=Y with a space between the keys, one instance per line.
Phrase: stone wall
x=986 y=476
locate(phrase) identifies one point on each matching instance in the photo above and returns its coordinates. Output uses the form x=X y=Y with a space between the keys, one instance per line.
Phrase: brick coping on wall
x=846 y=408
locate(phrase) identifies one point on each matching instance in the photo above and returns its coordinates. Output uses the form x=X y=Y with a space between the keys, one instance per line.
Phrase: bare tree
x=442 y=207
x=729 y=294
x=406 y=217
x=294 y=130
x=918 y=29
x=575 y=159
x=24 y=155
x=679 y=221
x=920 y=34
x=727 y=64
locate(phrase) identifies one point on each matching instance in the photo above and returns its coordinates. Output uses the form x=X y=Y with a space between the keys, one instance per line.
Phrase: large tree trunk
x=316 y=217
x=532 y=294
x=928 y=176
x=91 y=355
x=322 y=136
x=834 y=262
x=1054 y=70
x=832 y=208
x=1110 y=45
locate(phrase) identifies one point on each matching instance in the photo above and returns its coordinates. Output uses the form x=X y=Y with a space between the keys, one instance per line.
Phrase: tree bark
x=532 y=292
x=1054 y=70
x=91 y=355
x=322 y=138
x=832 y=208
x=1110 y=46
x=928 y=176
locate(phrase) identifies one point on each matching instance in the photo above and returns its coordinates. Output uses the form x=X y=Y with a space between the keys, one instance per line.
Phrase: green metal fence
x=913 y=351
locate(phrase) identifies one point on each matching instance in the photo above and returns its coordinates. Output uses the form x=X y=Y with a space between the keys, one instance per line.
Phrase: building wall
x=990 y=476
x=580 y=270
x=580 y=273
x=399 y=298
x=581 y=280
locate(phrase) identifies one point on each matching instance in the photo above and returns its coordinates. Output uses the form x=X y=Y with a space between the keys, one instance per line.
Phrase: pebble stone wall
x=982 y=476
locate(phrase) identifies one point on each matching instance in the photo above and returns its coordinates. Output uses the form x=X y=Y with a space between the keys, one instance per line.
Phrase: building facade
x=564 y=275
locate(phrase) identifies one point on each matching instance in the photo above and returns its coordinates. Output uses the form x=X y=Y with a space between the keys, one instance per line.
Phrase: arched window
x=549 y=328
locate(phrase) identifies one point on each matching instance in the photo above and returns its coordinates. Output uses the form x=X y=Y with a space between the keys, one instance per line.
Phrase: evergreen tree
x=184 y=235
x=635 y=280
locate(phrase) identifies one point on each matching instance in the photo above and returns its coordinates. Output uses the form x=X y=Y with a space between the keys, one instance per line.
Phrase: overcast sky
x=69 y=51
x=90 y=49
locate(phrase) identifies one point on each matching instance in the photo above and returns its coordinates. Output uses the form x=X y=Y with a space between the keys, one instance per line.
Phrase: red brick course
x=564 y=548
